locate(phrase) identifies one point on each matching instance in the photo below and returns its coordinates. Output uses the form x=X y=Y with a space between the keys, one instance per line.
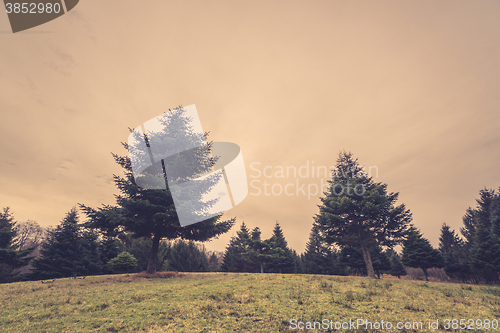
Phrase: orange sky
x=411 y=87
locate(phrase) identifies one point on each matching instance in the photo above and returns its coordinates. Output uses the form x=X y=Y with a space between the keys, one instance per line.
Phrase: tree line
x=354 y=233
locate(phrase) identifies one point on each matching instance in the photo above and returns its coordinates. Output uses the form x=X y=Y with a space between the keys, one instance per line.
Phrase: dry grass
x=220 y=302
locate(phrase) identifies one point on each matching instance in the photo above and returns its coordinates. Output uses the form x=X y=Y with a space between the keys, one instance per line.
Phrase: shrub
x=123 y=263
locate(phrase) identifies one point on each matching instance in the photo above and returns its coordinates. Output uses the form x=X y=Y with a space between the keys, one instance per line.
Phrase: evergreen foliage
x=281 y=258
x=140 y=248
x=360 y=213
x=397 y=267
x=354 y=262
x=186 y=257
x=381 y=262
x=454 y=253
x=418 y=253
x=247 y=252
x=481 y=230
x=233 y=260
x=319 y=258
x=69 y=251
x=151 y=214
x=10 y=257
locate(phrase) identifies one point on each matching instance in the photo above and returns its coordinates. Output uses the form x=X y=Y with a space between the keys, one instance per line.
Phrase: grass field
x=218 y=302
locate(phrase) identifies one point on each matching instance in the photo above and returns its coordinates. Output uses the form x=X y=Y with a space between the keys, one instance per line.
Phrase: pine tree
x=481 y=231
x=495 y=231
x=281 y=259
x=69 y=251
x=258 y=252
x=10 y=257
x=453 y=251
x=418 y=253
x=484 y=243
x=318 y=257
x=360 y=213
x=151 y=213
x=298 y=263
x=233 y=261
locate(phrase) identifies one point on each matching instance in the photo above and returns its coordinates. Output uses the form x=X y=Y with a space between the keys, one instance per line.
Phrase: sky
x=411 y=88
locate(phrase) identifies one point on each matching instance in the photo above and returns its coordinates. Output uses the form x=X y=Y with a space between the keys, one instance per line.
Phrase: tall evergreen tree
x=360 y=213
x=495 y=230
x=233 y=260
x=455 y=256
x=419 y=253
x=10 y=257
x=69 y=251
x=484 y=244
x=258 y=252
x=151 y=213
x=319 y=258
x=281 y=258
x=481 y=231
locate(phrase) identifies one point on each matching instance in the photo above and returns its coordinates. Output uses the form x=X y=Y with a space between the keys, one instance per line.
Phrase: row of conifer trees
x=73 y=250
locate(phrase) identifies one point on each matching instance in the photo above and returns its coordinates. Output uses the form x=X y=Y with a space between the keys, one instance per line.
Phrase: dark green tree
x=455 y=256
x=281 y=257
x=353 y=261
x=495 y=230
x=397 y=267
x=10 y=257
x=69 y=251
x=151 y=213
x=239 y=244
x=381 y=262
x=258 y=252
x=319 y=258
x=187 y=257
x=481 y=228
x=419 y=253
x=109 y=248
x=298 y=263
x=360 y=213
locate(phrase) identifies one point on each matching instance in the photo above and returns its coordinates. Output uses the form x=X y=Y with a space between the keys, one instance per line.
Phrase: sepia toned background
x=410 y=87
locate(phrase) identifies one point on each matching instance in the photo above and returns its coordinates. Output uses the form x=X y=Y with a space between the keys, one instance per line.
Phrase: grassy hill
x=218 y=302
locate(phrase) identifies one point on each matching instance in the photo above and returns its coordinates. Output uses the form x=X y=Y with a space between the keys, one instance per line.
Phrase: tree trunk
x=425 y=272
x=261 y=267
x=368 y=262
x=153 y=255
